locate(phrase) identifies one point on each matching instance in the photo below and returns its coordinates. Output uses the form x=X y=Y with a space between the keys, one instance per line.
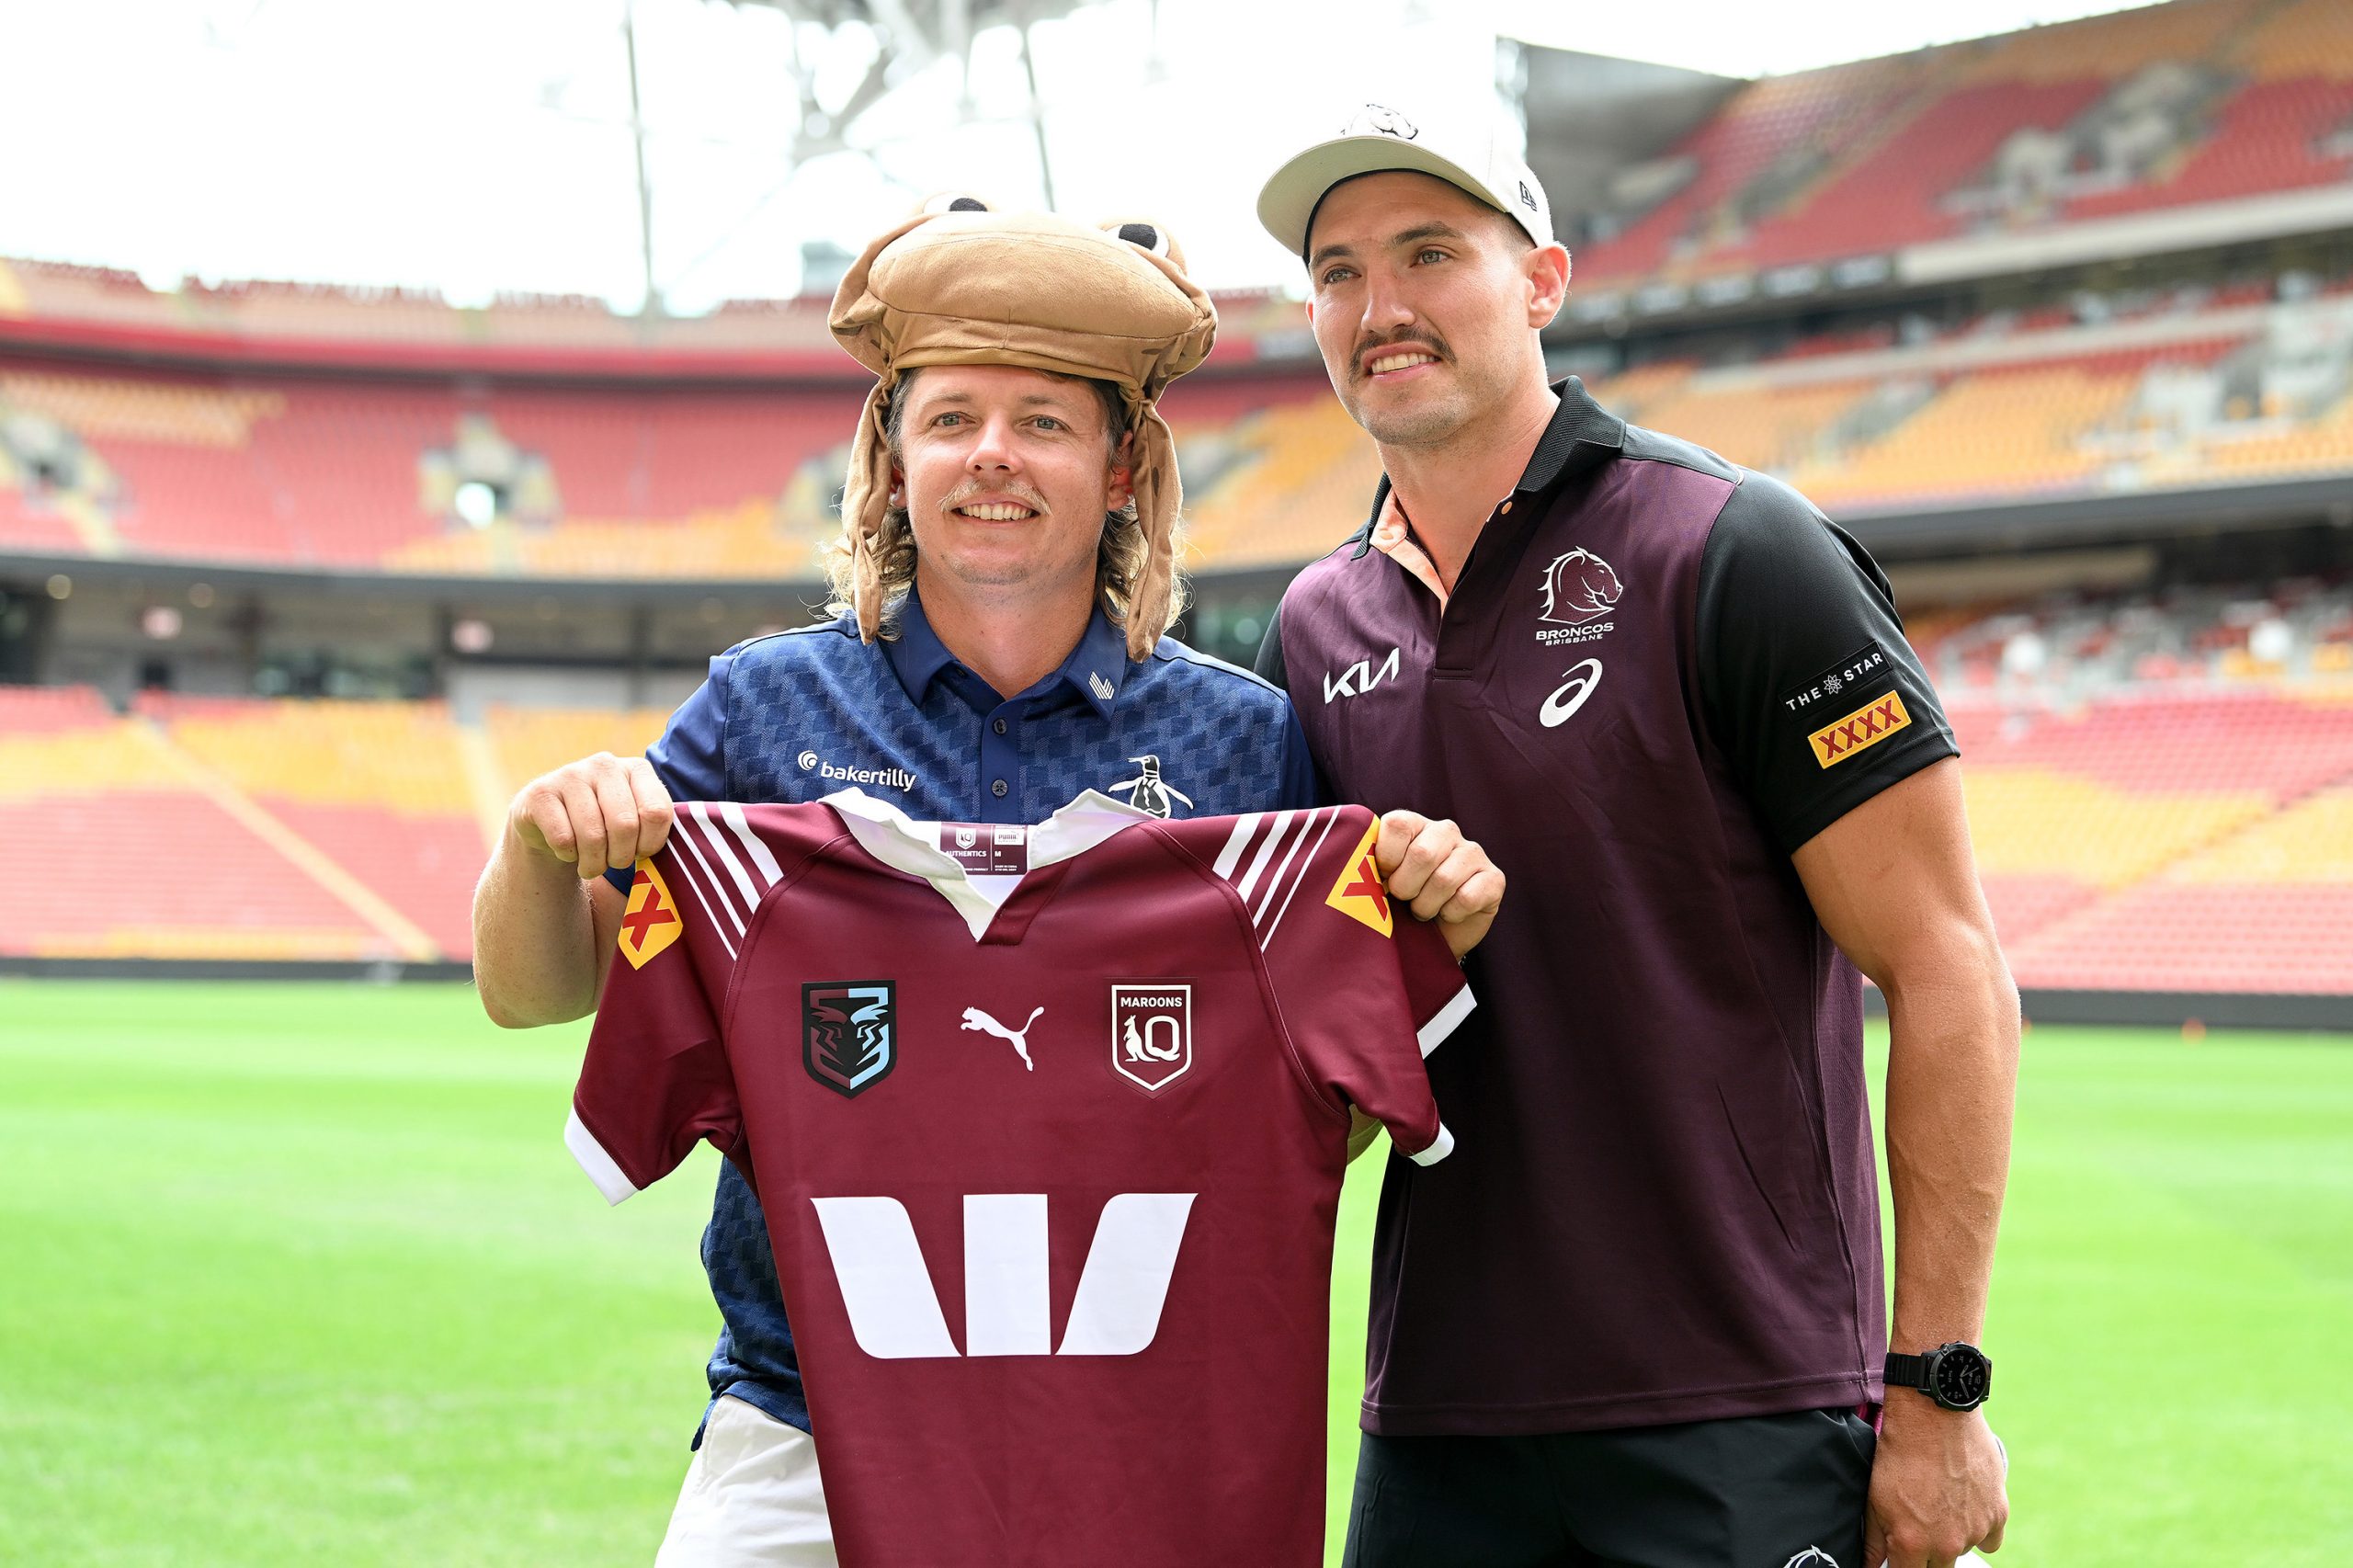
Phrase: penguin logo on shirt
x=1147 y=791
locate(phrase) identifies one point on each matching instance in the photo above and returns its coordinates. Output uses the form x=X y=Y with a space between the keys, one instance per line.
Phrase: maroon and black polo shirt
x=1657 y=676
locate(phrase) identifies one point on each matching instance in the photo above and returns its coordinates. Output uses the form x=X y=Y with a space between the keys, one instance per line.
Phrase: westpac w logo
x=1008 y=1285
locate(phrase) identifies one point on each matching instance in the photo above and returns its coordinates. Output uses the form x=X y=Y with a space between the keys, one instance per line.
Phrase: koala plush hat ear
x=961 y=285
x=1147 y=233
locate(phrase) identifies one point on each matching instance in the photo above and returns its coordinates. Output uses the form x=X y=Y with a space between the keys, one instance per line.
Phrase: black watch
x=1957 y=1376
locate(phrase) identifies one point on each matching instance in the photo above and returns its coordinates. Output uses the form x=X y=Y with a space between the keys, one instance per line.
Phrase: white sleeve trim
x=593 y=1159
x=1448 y=1016
x=1440 y=1147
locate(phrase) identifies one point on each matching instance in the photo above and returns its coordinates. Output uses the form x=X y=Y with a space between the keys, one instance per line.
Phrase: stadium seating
x=2192 y=834
x=363 y=474
x=380 y=788
x=248 y=829
x=141 y=856
x=1867 y=158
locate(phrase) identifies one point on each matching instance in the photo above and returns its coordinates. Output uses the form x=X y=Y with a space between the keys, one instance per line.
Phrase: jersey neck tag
x=986 y=849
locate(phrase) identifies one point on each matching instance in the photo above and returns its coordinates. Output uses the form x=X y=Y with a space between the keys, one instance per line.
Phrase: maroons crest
x=1152 y=1032
x=849 y=1032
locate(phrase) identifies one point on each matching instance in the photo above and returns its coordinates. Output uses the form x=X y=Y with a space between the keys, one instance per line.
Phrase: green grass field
x=303 y=1274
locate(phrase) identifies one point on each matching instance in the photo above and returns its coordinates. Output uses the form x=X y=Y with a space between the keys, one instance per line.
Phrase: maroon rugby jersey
x=1048 y=1126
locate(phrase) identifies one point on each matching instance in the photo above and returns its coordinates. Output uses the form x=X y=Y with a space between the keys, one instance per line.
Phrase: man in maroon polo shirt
x=1639 y=1319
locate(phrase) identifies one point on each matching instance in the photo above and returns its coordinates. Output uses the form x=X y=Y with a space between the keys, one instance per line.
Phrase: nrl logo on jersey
x=849 y=1033
x=1360 y=677
x=1580 y=589
x=1151 y=1033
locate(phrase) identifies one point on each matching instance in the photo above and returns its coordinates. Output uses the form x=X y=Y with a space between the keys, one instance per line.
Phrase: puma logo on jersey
x=1360 y=677
x=894 y=1313
x=977 y=1019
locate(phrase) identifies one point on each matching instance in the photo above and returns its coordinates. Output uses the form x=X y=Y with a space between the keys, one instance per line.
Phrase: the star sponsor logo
x=1098 y=686
x=651 y=921
x=1358 y=892
x=1811 y=1557
x=1148 y=791
x=1859 y=731
x=1862 y=664
x=1570 y=695
x=849 y=1033
x=888 y=777
x=1581 y=591
x=1360 y=676
x=1152 y=1032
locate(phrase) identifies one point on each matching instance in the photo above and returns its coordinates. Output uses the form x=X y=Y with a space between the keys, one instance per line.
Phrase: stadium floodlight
x=476 y=504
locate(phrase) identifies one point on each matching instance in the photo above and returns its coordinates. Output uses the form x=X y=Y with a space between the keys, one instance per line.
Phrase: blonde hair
x=1121 y=557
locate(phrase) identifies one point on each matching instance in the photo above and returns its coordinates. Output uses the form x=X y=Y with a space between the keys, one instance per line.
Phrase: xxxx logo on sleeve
x=1358 y=893
x=652 y=921
x=1859 y=731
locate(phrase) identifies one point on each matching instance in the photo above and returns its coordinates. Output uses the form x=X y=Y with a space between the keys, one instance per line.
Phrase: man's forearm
x=1951 y=1077
x=534 y=939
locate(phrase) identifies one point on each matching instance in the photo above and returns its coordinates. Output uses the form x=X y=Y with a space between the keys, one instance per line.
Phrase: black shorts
x=1759 y=1491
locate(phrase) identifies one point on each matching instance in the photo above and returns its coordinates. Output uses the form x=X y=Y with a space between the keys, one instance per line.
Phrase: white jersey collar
x=904 y=844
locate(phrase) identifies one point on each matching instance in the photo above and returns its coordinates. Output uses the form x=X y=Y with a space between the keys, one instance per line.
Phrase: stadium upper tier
x=2166 y=107
x=468 y=479
x=2182 y=835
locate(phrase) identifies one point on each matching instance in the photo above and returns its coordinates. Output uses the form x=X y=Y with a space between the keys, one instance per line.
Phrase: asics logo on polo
x=1360 y=677
x=1571 y=695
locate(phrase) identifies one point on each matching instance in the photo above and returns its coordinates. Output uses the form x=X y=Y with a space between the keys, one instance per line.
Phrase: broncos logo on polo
x=1579 y=586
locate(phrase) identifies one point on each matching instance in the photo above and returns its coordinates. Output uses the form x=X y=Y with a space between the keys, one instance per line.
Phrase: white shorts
x=752 y=1497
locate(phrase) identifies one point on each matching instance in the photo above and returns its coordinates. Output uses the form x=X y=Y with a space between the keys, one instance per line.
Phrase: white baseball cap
x=1377 y=138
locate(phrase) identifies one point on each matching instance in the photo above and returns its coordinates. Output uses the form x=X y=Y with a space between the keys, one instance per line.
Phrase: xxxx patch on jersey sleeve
x=651 y=921
x=1358 y=893
x=1859 y=731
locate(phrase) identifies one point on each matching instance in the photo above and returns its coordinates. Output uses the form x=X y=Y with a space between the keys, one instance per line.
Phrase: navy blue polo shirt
x=801 y=714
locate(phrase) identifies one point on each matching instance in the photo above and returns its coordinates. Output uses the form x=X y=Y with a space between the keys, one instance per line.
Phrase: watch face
x=1962 y=1377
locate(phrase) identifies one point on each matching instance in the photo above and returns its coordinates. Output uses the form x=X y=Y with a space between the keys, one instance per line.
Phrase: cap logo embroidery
x=1387 y=121
x=1526 y=197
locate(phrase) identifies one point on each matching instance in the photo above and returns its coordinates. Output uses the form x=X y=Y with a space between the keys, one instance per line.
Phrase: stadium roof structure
x=911 y=34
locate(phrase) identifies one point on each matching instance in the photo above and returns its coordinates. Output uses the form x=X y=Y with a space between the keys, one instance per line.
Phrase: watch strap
x=1907 y=1371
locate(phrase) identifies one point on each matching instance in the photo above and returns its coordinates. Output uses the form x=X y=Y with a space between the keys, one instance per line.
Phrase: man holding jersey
x=1001 y=593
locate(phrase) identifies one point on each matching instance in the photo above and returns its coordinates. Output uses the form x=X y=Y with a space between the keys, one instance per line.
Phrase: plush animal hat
x=961 y=285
